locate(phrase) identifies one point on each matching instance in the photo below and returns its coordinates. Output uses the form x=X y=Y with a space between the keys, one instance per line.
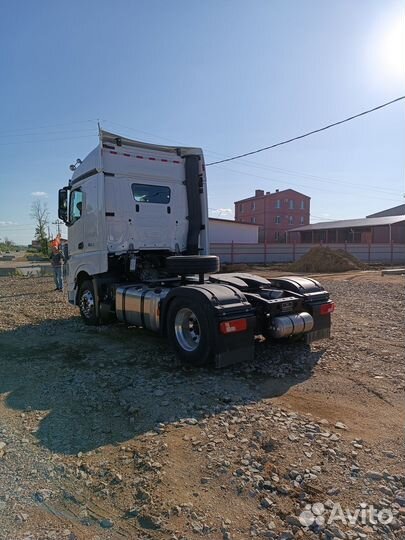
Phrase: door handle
x=80 y=245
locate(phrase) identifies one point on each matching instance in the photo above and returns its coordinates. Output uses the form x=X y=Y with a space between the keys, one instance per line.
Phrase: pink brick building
x=275 y=213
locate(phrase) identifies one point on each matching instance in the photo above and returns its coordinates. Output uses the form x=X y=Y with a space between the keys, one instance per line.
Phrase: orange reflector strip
x=327 y=308
x=231 y=327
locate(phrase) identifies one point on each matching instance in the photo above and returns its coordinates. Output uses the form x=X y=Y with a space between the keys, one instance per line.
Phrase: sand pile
x=324 y=259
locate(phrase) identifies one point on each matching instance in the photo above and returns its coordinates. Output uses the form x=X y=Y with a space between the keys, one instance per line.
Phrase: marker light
x=231 y=327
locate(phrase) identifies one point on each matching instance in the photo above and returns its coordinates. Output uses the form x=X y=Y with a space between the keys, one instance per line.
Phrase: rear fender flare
x=181 y=292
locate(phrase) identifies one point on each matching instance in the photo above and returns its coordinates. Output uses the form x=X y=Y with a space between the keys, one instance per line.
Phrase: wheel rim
x=187 y=329
x=87 y=304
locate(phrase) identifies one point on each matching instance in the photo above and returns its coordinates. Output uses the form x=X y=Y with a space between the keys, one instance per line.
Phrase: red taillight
x=231 y=327
x=327 y=308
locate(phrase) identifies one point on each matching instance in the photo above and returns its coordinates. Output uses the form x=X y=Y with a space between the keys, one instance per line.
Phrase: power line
x=10 y=131
x=287 y=141
x=303 y=175
x=49 y=140
x=288 y=183
x=288 y=172
x=283 y=181
x=25 y=226
x=78 y=130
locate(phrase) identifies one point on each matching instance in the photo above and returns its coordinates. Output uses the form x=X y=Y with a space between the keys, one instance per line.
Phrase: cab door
x=76 y=228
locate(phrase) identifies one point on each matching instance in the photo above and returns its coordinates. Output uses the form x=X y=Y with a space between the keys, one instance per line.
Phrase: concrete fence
x=284 y=253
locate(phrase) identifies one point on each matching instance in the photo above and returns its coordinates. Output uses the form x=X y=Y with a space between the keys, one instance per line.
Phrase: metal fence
x=234 y=253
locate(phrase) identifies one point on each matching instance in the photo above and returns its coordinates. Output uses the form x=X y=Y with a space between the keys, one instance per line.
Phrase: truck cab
x=133 y=202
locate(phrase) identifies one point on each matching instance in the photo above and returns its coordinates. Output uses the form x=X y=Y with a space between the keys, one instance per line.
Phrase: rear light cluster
x=232 y=327
x=325 y=309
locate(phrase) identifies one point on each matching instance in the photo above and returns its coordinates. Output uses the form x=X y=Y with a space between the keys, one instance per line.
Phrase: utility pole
x=58 y=223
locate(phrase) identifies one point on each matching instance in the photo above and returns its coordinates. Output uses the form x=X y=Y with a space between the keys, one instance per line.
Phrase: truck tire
x=192 y=264
x=189 y=331
x=87 y=304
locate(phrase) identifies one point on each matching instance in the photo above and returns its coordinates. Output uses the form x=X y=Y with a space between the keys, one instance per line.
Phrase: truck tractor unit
x=138 y=251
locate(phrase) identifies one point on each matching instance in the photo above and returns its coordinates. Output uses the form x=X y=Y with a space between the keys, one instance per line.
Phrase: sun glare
x=390 y=46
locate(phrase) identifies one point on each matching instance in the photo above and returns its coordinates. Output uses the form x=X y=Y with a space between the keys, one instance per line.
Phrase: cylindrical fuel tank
x=289 y=325
x=140 y=305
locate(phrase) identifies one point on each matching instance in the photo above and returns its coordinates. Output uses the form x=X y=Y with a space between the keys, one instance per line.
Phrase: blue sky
x=229 y=76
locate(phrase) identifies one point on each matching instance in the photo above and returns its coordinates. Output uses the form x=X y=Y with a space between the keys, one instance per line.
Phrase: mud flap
x=235 y=348
x=316 y=335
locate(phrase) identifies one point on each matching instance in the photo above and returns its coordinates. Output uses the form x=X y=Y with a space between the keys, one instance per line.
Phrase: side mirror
x=63 y=205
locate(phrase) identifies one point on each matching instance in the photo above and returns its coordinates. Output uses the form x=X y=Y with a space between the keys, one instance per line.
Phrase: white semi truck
x=138 y=251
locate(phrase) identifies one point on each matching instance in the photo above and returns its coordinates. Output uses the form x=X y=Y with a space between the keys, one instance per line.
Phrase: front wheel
x=189 y=331
x=87 y=304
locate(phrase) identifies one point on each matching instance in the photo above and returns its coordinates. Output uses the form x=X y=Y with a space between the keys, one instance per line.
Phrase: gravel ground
x=104 y=436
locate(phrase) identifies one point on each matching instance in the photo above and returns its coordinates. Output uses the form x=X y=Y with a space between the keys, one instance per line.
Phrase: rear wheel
x=87 y=303
x=189 y=331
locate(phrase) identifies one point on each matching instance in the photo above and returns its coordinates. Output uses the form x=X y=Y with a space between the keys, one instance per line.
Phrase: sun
x=391 y=49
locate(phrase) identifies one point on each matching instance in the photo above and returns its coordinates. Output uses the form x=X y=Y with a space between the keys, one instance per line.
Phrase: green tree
x=6 y=244
x=40 y=214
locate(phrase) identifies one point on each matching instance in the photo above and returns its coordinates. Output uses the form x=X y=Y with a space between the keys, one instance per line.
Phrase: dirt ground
x=104 y=436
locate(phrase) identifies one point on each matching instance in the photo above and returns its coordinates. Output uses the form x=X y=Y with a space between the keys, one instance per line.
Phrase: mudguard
x=224 y=303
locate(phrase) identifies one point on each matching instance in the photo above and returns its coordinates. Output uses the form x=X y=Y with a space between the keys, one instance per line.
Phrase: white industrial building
x=225 y=231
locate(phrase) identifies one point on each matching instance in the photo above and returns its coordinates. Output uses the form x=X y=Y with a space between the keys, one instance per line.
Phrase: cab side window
x=76 y=206
x=145 y=193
